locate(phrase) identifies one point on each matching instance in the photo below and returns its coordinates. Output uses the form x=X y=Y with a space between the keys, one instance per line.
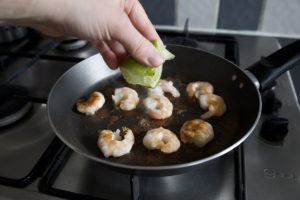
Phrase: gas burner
x=183 y=41
x=12 y=109
x=10 y=34
x=72 y=44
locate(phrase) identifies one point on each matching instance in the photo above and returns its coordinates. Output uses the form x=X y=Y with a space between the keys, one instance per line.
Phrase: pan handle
x=267 y=69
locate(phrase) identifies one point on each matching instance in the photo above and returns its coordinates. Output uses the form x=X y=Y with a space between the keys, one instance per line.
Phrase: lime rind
x=167 y=55
x=136 y=73
x=133 y=77
x=132 y=65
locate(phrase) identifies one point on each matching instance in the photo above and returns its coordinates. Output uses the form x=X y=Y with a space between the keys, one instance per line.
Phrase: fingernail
x=154 y=59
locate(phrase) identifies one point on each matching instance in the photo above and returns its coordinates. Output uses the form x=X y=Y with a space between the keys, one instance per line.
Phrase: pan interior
x=80 y=131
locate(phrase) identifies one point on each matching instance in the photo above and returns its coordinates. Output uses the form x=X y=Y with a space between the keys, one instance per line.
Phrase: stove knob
x=274 y=129
x=271 y=104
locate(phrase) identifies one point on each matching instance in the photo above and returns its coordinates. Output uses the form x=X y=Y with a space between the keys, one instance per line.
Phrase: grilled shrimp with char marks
x=158 y=107
x=94 y=103
x=163 y=139
x=195 y=89
x=162 y=87
x=215 y=104
x=126 y=97
x=196 y=131
x=112 y=144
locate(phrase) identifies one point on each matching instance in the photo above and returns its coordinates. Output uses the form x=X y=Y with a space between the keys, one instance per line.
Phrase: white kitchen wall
x=279 y=16
x=201 y=13
x=268 y=17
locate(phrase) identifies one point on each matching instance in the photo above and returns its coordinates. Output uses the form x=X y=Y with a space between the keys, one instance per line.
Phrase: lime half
x=137 y=73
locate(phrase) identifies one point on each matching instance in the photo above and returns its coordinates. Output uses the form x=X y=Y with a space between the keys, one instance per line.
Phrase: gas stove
x=35 y=164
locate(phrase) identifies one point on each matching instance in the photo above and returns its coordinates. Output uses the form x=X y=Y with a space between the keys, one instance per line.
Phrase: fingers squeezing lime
x=136 y=73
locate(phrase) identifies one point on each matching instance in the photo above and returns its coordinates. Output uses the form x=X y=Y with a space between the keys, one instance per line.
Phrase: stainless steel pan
x=240 y=90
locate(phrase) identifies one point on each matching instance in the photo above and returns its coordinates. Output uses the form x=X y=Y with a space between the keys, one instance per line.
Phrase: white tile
x=281 y=16
x=201 y=13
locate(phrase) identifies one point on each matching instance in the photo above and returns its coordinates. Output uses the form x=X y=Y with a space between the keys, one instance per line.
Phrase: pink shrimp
x=94 y=103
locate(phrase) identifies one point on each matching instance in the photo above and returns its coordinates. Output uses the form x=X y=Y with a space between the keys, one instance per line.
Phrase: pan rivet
x=233 y=77
x=241 y=85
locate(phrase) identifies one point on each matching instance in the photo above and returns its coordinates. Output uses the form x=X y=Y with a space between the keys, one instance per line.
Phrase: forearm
x=15 y=12
x=26 y=12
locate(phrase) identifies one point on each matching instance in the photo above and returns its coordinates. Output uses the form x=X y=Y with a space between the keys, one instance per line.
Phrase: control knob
x=274 y=129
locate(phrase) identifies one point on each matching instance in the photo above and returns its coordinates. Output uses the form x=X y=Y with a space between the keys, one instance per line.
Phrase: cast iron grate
x=7 y=57
x=38 y=169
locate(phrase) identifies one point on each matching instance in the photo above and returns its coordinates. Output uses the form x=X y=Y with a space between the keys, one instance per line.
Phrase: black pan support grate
x=7 y=57
x=47 y=181
x=38 y=169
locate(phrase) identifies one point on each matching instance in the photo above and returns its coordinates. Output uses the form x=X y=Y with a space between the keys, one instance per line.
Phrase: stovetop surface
x=271 y=170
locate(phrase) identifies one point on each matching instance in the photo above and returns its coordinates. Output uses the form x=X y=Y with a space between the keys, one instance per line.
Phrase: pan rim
x=163 y=167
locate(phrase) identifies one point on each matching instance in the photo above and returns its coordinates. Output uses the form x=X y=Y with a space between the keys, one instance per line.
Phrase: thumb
x=137 y=45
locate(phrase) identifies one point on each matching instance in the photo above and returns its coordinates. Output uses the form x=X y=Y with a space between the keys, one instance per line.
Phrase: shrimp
x=158 y=107
x=164 y=86
x=198 y=88
x=162 y=139
x=112 y=144
x=94 y=103
x=214 y=103
x=196 y=131
x=126 y=97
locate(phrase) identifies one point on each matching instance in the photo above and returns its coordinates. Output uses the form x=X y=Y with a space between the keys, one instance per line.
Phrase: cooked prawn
x=195 y=89
x=214 y=103
x=158 y=107
x=196 y=131
x=94 y=103
x=161 y=138
x=126 y=97
x=112 y=144
x=164 y=86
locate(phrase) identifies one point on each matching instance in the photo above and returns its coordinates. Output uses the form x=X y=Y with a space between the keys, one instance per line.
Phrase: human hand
x=116 y=27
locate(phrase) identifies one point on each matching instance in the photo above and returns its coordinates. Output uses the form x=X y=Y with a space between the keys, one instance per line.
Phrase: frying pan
x=240 y=90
